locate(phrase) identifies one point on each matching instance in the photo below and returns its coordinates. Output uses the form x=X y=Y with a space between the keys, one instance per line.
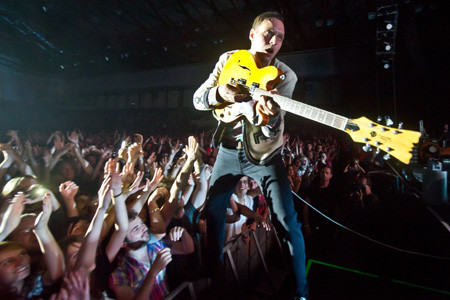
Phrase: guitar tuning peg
x=386 y=156
x=378 y=150
x=379 y=119
x=389 y=122
x=400 y=125
x=366 y=148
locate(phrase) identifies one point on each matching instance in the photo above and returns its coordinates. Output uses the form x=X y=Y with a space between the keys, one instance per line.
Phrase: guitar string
x=370 y=239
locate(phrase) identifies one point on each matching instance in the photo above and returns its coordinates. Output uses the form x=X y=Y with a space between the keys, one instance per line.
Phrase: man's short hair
x=132 y=214
x=265 y=16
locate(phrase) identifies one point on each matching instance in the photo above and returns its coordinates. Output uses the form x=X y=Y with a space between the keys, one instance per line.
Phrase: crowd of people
x=77 y=208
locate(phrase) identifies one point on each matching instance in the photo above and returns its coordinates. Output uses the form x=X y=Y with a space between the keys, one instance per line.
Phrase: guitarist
x=254 y=151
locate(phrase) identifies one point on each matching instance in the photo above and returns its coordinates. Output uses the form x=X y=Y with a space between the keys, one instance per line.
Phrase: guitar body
x=242 y=69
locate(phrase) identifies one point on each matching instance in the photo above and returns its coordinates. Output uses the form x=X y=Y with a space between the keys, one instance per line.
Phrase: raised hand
x=105 y=154
x=134 y=152
x=28 y=147
x=191 y=148
x=123 y=151
x=74 y=287
x=176 y=233
x=58 y=143
x=262 y=222
x=164 y=162
x=104 y=193
x=157 y=177
x=176 y=147
x=9 y=155
x=77 y=287
x=138 y=139
x=134 y=187
x=11 y=218
x=128 y=176
x=163 y=258
x=68 y=189
x=42 y=219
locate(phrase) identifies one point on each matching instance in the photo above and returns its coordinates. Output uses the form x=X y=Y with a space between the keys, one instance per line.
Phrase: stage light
x=386 y=64
x=389 y=26
x=387 y=46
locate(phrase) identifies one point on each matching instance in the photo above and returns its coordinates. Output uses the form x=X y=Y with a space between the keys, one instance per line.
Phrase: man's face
x=267 y=39
x=137 y=231
x=325 y=174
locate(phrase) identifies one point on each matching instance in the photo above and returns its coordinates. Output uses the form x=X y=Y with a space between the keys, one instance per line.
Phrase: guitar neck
x=306 y=111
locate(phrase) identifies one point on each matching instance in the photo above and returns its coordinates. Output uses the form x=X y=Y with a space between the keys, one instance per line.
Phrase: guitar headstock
x=396 y=142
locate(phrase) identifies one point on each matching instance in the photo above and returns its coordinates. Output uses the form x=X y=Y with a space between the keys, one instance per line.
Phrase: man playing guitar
x=251 y=148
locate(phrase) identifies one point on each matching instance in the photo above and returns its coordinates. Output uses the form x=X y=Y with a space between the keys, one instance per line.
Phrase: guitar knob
x=389 y=122
x=379 y=119
x=366 y=140
x=366 y=148
x=386 y=156
x=378 y=150
x=400 y=125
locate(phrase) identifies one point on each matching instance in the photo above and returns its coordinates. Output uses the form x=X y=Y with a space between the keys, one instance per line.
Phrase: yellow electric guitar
x=242 y=70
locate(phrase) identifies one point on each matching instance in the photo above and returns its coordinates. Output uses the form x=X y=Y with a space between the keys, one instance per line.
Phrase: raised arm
x=11 y=218
x=182 y=241
x=87 y=168
x=53 y=255
x=236 y=216
x=11 y=157
x=183 y=177
x=86 y=257
x=260 y=220
x=150 y=187
x=68 y=191
x=201 y=186
x=121 y=218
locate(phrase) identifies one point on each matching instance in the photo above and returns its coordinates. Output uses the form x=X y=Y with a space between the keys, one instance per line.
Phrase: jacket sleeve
x=206 y=96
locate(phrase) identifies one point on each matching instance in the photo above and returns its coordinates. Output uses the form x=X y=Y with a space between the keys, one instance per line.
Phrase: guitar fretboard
x=305 y=110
